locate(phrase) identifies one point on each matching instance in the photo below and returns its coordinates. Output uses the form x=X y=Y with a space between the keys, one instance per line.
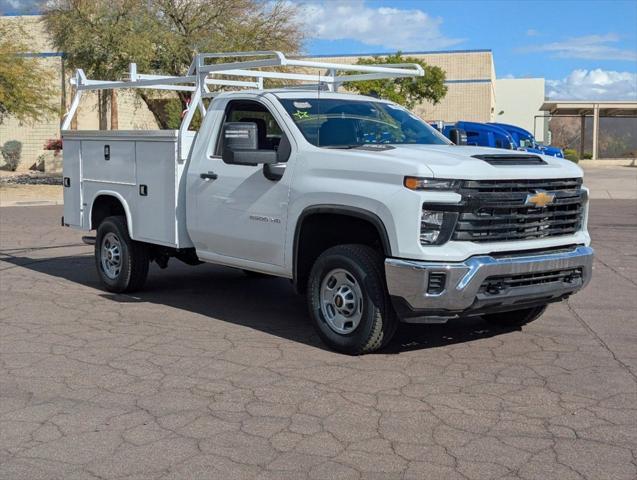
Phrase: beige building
x=518 y=102
x=470 y=82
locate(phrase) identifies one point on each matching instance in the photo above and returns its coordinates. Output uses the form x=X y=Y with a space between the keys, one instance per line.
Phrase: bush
x=11 y=152
x=54 y=144
x=571 y=154
x=587 y=156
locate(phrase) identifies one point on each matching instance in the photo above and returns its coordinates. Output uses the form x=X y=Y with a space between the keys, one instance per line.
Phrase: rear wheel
x=348 y=301
x=122 y=263
x=515 y=317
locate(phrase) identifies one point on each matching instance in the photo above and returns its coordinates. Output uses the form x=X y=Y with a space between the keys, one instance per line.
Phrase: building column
x=595 y=131
x=582 y=135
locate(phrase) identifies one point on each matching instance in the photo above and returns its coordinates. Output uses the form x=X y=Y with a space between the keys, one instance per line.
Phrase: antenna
x=318 y=110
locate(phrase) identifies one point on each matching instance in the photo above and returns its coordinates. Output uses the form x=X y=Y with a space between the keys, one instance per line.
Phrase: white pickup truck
x=369 y=211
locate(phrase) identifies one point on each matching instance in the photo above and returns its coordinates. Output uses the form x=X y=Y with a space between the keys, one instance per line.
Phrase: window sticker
x=301 y=115
x=302 y=104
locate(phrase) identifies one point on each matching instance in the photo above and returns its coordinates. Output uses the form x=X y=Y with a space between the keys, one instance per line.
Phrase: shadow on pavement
x=264 y=304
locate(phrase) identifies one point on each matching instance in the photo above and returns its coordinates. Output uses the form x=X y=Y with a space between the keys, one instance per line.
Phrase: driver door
x=241 y=214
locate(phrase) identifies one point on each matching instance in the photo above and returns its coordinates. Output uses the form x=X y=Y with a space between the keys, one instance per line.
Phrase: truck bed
x=143 y=169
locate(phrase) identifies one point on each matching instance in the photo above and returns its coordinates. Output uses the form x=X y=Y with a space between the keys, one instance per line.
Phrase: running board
x=88 y=240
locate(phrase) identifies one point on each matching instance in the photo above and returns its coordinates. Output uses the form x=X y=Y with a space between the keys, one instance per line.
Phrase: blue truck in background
x=526 y=141
x=495 y=135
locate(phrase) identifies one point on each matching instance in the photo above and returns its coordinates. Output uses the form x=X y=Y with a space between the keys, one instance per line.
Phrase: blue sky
x=584 y=48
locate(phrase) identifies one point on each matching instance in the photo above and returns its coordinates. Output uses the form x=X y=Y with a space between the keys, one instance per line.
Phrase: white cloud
x=595 y=47
x=18 y=6
x=392 y=28
x=531 y=32
x=595 y=84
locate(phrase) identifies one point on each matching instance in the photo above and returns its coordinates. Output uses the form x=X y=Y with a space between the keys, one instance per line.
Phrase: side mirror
x=248 y=157
x=458 y=136
x=240 y=145
x=275 y=171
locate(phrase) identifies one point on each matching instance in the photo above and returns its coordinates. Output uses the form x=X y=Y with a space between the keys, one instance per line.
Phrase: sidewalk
x=611 y=182
x=12 y=195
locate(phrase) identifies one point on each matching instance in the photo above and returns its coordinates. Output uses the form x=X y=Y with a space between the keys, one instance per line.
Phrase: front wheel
x=122 y=263
x=515 y=318
x=348 y=301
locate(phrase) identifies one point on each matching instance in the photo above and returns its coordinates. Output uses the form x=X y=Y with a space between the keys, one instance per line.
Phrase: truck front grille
x=497 y=210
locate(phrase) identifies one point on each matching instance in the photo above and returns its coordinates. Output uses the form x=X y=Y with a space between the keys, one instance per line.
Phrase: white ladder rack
x=202 y=74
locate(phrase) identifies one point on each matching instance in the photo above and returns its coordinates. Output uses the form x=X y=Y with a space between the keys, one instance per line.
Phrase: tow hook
x=494 y=288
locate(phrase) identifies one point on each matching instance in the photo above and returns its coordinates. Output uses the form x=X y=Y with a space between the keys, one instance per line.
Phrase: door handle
x=209 y=176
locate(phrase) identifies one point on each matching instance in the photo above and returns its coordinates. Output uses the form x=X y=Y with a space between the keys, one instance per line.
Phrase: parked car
x=372 y=214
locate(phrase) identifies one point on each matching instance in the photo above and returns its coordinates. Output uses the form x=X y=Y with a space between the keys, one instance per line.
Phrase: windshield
x=338 y=123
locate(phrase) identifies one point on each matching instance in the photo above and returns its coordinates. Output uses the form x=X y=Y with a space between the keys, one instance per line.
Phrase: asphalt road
x=208 y=374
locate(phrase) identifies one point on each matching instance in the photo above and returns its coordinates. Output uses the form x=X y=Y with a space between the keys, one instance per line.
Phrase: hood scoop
x=511 y=159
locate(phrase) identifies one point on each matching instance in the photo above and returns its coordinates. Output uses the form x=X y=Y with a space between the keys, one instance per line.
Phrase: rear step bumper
x=484 y=283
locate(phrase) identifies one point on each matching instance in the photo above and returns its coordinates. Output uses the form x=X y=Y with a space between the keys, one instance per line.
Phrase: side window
x=268 y=131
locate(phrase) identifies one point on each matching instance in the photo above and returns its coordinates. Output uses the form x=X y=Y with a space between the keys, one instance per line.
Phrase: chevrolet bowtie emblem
x=539 y=199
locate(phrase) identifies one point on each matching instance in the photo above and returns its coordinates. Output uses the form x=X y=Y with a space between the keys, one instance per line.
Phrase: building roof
x=384 y=54
x=607 y=108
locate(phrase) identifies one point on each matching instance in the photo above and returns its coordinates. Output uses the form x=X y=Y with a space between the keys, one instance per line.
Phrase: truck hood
x=455 y=161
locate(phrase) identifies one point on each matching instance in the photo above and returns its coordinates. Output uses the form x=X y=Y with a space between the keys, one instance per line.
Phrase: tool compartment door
x=108 y=161
x=72 y=183
x=155 y=206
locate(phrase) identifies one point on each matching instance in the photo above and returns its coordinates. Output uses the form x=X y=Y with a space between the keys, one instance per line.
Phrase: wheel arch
x=357 y=213
x=109 y=197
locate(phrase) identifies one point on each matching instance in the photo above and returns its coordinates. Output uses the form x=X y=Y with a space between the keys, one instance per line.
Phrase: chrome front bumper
x=464 y=282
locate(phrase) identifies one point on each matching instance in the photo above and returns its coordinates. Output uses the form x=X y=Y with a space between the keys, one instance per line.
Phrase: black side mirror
x=233 y=156
x=458 y=136
x=275 y=171
x=240 y=145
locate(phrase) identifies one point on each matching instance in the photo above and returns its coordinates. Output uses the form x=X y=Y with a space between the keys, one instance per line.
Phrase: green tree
x=162 y=36
x=26 y=91
x=408 y=91
x=101 y=37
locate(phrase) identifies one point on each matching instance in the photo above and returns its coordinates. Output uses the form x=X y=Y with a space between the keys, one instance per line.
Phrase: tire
x=515 y=318
x=348 y=301
x=127 y=267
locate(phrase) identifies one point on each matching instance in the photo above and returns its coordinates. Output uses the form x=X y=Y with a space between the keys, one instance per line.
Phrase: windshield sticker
x=301 y=115
x=302 y=104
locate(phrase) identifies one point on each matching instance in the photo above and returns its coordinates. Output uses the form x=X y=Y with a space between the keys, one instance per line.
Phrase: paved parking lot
x=208 y=374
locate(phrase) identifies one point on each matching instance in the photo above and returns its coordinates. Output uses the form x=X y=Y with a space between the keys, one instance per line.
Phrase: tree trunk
x=102 y=108
x=114 y=111
x=156 y=109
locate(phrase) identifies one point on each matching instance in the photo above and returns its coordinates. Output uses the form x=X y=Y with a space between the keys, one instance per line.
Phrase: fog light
x=430 y=225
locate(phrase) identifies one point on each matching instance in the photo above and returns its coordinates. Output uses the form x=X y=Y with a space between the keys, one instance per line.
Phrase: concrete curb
x=30 y=203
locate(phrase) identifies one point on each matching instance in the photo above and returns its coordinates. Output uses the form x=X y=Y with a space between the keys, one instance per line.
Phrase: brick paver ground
x=208 y=374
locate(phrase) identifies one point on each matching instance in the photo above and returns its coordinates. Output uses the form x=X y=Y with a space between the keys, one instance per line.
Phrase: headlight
x=430 y=226
x=420 y=183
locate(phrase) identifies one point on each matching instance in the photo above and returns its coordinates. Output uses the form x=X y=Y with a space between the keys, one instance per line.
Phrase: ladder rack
x=204 y=72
